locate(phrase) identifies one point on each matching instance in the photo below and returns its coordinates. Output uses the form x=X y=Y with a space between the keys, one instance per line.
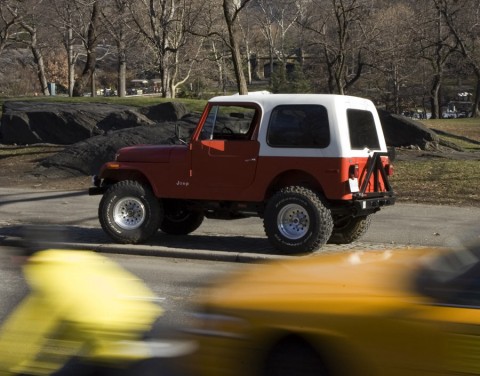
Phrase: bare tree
x=164 y=25
x=88 y=32
x=8 y=22
x=339 y=32
x=276 y=19
x=64 y=21
x=462 y=17
x=119 y=25
x=231 y=10
x=390 y=53
x=436 y=45
x=28 y=14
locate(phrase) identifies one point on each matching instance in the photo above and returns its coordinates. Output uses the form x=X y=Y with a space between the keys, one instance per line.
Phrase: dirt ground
x=19 y=172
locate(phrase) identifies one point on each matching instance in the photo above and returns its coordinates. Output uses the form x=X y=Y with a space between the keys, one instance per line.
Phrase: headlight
x=217 y=325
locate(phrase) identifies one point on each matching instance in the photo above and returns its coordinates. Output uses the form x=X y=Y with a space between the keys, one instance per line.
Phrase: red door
x=223 y=167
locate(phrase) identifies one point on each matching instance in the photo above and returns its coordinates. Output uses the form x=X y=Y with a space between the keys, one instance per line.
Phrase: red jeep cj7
x=314 y=167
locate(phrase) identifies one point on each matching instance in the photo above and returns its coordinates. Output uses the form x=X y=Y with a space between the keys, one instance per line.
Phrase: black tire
x=178 y=219
x=129 y=212
x=350 y=229
x=294 y=356
x=296 y=220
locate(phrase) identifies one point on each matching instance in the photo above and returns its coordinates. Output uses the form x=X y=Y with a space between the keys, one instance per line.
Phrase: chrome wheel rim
x=129 y=213
x=293 y=221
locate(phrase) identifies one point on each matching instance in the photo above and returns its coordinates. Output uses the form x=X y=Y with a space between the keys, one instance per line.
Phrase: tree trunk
x=435 y=97
x=71 y=61
x=219 y=64
x=122 y=70
x=237 y=66
x=476 y=99
x=229 y=10
x=38 y=58
x=87 y=75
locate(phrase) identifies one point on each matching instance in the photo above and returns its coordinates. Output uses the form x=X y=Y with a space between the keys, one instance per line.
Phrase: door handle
x=251 y=160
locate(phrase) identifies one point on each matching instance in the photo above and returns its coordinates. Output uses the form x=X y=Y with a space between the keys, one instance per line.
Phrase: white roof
x=270 y=100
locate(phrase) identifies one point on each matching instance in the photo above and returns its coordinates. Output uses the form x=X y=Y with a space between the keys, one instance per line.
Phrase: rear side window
x=299 y=126
x=363 y=133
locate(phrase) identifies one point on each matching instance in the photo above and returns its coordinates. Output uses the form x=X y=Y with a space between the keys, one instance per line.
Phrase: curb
x=157 y=251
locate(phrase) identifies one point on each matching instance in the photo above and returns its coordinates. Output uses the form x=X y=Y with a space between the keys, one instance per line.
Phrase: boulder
x=26 y=123
x=401 y=131
x=169 y=111
x=86 y=157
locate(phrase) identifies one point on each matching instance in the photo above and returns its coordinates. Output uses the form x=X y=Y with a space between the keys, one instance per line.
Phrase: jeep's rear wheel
x=129 y=212
x=296 y=220
x=179 y=219
x=350 y=229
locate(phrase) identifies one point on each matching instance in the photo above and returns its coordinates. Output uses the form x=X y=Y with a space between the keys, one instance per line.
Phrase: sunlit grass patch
x=438 y=181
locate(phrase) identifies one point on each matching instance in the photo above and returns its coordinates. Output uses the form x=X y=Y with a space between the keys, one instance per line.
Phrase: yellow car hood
x=346 y=277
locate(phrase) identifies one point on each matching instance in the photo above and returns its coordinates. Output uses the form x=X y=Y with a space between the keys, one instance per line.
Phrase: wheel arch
x=121 y=175
x=332 y=349
x=294 y=177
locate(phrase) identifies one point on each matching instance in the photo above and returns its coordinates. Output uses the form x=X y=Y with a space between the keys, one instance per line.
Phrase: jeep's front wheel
x=179 y=219
x=296 y=220
x=129 y=212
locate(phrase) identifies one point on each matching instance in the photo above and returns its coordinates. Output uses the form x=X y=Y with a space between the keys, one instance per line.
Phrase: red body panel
x=232 y=170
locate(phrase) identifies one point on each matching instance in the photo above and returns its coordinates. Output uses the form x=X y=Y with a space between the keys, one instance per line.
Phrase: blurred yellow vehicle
x=403 y=312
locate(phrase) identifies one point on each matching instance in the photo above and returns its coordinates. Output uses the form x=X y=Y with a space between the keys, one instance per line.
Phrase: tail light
x=389 y=169
x=353 y=171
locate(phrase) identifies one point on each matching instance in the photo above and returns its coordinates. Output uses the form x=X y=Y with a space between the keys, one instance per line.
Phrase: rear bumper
x=372 y=204
x=364 y=205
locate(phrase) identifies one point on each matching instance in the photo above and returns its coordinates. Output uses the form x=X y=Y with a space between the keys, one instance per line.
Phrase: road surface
x=401 y=225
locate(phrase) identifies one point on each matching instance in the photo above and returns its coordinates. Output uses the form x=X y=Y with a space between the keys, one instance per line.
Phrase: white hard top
x=271 y=100
x=336 y=106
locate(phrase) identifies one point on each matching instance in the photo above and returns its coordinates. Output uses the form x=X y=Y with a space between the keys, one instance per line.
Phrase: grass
x=468 y=127
x=441 y=180
x=194 y=105
x=438 y=181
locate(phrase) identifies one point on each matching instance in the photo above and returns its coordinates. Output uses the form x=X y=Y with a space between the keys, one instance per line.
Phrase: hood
x=342 y=277
x=148 y=153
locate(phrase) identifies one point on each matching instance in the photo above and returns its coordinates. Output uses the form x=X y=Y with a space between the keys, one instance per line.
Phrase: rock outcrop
x=86 y=157
x=400 y=131
x=25 y=123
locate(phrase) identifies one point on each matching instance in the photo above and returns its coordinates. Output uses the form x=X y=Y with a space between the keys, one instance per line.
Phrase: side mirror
x=178 y=136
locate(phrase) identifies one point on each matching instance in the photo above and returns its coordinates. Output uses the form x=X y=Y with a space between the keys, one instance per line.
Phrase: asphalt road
x=205 y=256
x=399 y=226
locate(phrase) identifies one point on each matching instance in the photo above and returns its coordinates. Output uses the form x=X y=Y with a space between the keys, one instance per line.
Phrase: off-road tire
x=129 y=212
x=293 y=356
x=349 y=230
x=178 y=219
x=297 y=221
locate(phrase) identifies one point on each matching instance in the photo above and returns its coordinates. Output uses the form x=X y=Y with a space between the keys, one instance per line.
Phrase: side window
x=451 y=279
x=362 y=130
x=225 y=122
x=299 y=126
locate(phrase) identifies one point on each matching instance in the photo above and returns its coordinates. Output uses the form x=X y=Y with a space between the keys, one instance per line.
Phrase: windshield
x=452 y=278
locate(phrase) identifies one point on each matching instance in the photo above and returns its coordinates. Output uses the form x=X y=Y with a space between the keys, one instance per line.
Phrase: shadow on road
x=95 y=238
